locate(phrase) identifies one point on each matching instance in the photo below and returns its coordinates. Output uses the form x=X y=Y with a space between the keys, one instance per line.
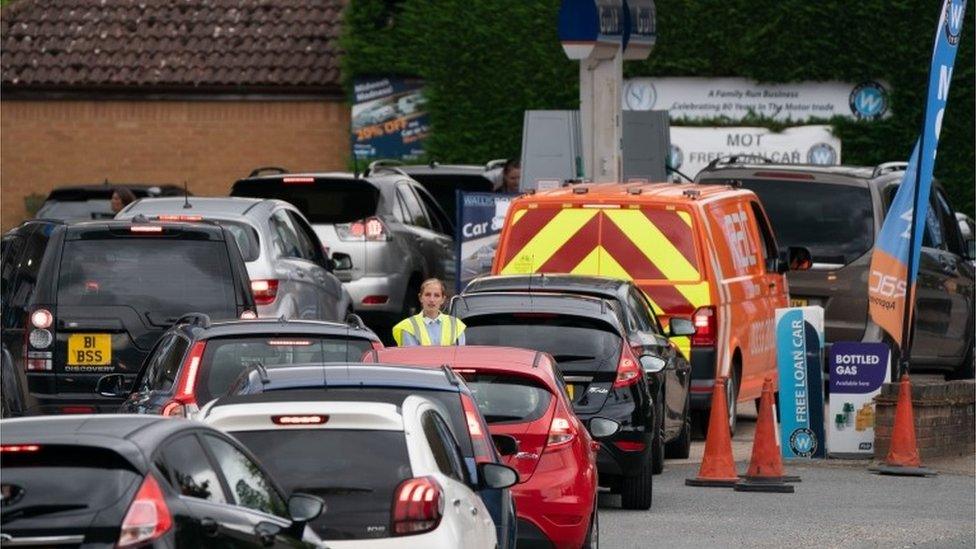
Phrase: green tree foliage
x=486 y=61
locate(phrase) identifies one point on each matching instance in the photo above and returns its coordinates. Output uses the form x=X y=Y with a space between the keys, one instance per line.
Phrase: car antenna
x=186 y=196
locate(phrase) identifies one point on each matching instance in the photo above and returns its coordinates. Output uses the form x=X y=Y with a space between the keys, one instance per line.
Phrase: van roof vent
x=580 y=190
x=693 y=194
x=634 y=190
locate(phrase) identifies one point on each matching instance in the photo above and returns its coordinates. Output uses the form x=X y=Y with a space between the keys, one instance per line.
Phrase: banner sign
x=388 y=118
x=799 y=359
x=857 y=371
x=699 y=98
x=480 y=217
x=693 y=148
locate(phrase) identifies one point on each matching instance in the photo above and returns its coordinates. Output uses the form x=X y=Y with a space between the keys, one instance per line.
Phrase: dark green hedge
x=486 y=61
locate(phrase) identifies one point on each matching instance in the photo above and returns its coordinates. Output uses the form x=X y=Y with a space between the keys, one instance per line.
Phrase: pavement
x=838 y=503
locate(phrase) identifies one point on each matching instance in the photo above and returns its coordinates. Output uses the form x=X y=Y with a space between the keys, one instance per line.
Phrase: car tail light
x=561 y=431
x=77 y=409
x=19 y=448
x=375 y=299
x=185 y=395
x=38 y=361
x=371 y=228
x=265 y=291
x=628 y=370
x=148 y=516
x=706 y=326
x=479 y=436
x=630 y=445
x=42 y=319
x=303 y=419
x=418 y=506
x=40 y=337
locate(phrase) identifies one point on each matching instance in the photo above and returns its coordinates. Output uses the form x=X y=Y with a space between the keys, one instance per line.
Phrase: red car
x=522 y=395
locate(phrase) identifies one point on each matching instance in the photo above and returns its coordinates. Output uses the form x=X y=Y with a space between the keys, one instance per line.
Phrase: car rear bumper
x=554 y=506
x=393 y=286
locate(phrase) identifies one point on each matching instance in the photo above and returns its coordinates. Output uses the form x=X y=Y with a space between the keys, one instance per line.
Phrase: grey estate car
x=290 y=271
x=392 y=228
x=837 y=212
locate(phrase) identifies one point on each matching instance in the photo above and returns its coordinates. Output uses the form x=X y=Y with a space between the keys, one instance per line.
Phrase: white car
x=390 y=477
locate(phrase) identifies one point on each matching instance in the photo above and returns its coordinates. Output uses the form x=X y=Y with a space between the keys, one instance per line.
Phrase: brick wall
x=945 y=418
x=44 y=144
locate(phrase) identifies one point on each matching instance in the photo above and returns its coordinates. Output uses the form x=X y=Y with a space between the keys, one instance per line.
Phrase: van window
x=766 y=240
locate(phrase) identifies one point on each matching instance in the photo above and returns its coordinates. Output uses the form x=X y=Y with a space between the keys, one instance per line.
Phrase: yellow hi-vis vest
x=451 y=329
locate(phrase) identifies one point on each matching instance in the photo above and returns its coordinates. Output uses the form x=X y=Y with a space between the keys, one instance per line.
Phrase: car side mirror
x=679 y=326
x=496 y=476
x=601 y=427
x=304 y=507
x=113 y=386
x=798 y=259
x=341 y=262
x=506 y=445
x=652 y=364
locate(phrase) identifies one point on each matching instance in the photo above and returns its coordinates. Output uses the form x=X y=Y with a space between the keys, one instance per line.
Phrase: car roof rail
x=194 y=319
x=354 y=320
x=267 y=169
x=888 y=167
x=451 y=375
x=739 y=159
x=389 y=165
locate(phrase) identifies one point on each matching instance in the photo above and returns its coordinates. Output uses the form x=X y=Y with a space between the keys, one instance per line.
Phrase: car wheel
x=680 y=447
x=636 y=492
x=657 y=443
x=731 y=400
x=593 y=534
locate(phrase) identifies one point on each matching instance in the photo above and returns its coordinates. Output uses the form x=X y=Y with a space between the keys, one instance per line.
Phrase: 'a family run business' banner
x=697 y=98
x=388 y=118
x=693 y=148
x=799 y=359
x=857 y=371
x=480 y=217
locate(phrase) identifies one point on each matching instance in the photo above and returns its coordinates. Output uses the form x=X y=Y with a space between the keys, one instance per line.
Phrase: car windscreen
x=579 y=344
x=321 y=200
x=224 y=360
x=65 y=482
x=160 y=278
x=835 y=222
x=504 y=398
x=72 y=210
x=355 y=472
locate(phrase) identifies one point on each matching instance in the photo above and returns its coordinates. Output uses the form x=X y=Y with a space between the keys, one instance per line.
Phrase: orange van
x=702 y=251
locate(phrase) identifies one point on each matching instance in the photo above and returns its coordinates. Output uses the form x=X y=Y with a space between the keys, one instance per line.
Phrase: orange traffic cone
x=717 y=468
x=766 y=466
x=903 y=456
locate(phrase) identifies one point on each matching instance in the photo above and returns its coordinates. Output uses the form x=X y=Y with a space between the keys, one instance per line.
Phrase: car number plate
x=798 y=302
x=89 y=350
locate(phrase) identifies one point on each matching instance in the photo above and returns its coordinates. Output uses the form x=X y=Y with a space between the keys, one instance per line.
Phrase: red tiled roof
x=234 y=46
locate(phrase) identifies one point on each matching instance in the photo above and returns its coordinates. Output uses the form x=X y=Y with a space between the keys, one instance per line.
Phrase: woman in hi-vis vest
x=430 y=326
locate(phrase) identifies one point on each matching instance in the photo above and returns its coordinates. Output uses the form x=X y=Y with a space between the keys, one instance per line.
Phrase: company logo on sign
x=953 y=21
x=822 y=154
x=869 y=100
x=803 y=442
x=676 y=157
x=640 y=95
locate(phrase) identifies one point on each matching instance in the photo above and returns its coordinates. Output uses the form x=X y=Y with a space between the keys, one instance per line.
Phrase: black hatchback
x=128 y=481
x=105 y=292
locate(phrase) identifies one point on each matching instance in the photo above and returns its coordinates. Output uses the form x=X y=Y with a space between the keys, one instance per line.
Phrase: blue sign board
x=857 y=372
x=799 y=359
x=591 y=27
x=640 y=28
x=389 y=118
x=480 y=217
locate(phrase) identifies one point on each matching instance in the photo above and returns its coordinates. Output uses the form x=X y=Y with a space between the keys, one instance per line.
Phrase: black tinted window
x=168 y=278
x=504 y=398
x=12 y=246
x=577 y=343
x=186 y=465
x=248 y=485
x=321 y=201
x=29 y=265
x=835 y=222
x=164 y=364
x=355 y=472
x=414 y=211
x=312 y=248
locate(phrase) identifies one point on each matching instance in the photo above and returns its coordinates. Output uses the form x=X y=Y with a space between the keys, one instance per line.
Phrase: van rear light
x=42 y=318
x=12 y=448
x=370 y=228
x=418 y=505
x=303 y=419
x=264 y=291
x=628 y=370
x=148 y=517
x=706 y=326
x=479 y=437
x=185 y=397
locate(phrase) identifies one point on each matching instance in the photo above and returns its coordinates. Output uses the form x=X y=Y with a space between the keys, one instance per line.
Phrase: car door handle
x=209 y=526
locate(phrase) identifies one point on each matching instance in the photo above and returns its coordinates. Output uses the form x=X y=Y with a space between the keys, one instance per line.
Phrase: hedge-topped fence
x=487 y=61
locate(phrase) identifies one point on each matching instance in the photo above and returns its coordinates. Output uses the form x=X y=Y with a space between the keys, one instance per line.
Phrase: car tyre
x=731 y=400
x=592 y=540
x=657 y=443
x=637 y=492
x=680 y=447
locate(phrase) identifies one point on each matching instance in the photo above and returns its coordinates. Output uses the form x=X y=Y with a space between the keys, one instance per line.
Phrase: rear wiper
x=38 y=510
x=492 y=418
x=572 y=358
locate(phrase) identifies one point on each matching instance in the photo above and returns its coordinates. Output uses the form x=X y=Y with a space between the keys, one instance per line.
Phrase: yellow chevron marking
x=547 y=241
x=685 y=216
x=696 y=294
x=654 y=245
x=518 y=215
x=590 y=264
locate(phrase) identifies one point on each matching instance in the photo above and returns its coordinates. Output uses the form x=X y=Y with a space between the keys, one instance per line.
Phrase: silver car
x=290 y=271
x=392 y=228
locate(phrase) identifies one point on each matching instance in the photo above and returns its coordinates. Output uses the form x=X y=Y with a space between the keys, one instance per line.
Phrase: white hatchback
x=389 y=477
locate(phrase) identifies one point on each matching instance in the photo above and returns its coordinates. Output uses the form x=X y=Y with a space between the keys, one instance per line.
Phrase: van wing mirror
x=679 y=326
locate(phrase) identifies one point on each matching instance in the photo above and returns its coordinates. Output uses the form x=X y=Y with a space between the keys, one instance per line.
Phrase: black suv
x=604 y=375
x=101 y=295
x=644 y=335
x=444 y=180
x=837 y=212
x=88 y=202
x=130 y=481
x=196 y=361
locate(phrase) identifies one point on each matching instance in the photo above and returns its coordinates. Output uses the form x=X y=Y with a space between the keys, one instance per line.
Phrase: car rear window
x=76 y=210
x=507 y=399
x=158 y=277
x=62 y=479
x=355 y=472
x=579 y=344
x=224 y=360
x=321 y=200
x=246 y=237
x=835 y=222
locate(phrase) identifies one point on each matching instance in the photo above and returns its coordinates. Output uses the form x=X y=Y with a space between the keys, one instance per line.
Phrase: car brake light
x=304 y=419
x=19 y=448
x=264 y=291
x=297 y=180
x=706 y=322
x=370 y=228
x=561 y=431
x=185 y=395
x=479 y=440
x=42 y=318
x=148 y=516
x=418 y=505
x=289 y=342
x=179 y=217
x=146 y=229
x=628 y=370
